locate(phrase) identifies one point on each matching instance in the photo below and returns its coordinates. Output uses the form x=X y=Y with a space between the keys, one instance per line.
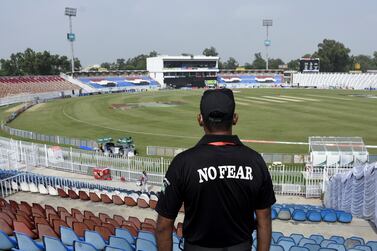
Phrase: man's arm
x=264 y=229
x=164 y=233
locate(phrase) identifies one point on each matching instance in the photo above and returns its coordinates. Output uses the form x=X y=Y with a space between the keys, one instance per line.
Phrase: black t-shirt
x=221 y=182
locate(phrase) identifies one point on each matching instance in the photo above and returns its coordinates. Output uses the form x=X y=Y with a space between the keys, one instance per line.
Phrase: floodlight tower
x=267 y=43
x=71 y=12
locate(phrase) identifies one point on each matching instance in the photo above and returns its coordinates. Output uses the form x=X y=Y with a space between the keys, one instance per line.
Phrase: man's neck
x=229 y=132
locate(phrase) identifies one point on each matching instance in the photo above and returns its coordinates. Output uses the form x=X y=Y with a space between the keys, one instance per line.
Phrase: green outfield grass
x=265 y=114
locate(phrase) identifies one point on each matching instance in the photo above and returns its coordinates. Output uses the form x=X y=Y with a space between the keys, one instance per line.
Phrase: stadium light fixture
x=71 y=12
x=267 y=43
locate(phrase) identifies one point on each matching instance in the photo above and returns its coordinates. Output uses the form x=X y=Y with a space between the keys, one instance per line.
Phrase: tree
x=274 y=63
x=231 y=63
x=294 y=65
x=259 y=62
x=366 y=62
x=334 y=56
x=210 y=52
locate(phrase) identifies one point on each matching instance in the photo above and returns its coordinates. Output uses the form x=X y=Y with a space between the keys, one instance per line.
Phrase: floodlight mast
x=267 y=23
x=71 y=12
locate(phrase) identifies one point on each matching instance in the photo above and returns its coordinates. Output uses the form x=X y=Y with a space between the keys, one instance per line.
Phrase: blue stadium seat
x=344 y=217
x=363 y=247
x=286 y=244
x=83 y=246
x=337 y=239
x=317 y=238
x=147 y=236
x=298 y=248
x=125 y=233
x=275 y=247
x=312 y=247
x=296 y=237
x=110 y=248
x=373 y=245
x=305 y=240
x=284 y=214
x=285 y=238
x=276 y=236
x=299 y=215
x=325 y=243
x=26 y=243
x=327 y=249
x=274 y=214
x=6 y=242
x=313 y=216
x=339 y=247
x=142 y=245
x=329 y=217
x=353 y=241
x=95 y=239
x=120 y=242
x=68 y=236
x=54 y=244
x=362 y=242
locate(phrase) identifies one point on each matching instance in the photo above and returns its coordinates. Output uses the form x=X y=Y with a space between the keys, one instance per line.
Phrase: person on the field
x=144 y=182
x=221 y=182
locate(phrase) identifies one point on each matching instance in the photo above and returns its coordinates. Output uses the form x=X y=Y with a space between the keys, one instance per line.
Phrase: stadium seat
x=297 y=248
x=327 y=249
x=120 y=242
x=83 y=246
x=329 y=217
x=284 y=214
x=336 y=246
x=325 y=243
x=125 y=234
x=142 y=245
x=344 y=217
x=304 y=241
x=95 y=239
x=68 y=236
x=299 y=215
x=372 y=244
x=275 y=247
x=54 y=244
x=317 y=238
x=274 y=214
x=296 y=238
x=353 y=241
x=6 y=242
x=363 y=247
x=26 y=243
x=147 y=236
x=337 y=239
x=286 y=244
x=312 y=247
x=109 y=248
x=313 y=216
x=276 y=236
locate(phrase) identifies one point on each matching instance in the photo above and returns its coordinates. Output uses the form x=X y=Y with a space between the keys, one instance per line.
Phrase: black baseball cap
x=217 y=105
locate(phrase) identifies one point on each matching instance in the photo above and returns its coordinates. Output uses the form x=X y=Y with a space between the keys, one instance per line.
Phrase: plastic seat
x=325 y=243
x=136 y=221
x=79 y=228
x=339 y=247
x=329 y=217
x=274 y=214
x=327 y=249
x=297 y=248
x=42 y=189
x=296 y=238
x=104 y=232
x=362 y=241
x=110 y=248
x=286 y=244
x=52 y=191
x=372 y=244
x=46 y=230
x=276 y=236
x=313 y=216
x=147 y=236
x=353 y=241
x=312 y=247
x=299 y=215
x=317 y=238
x=54 y=244
x=337 y=239
x=68 y=236
x=6 y=242
x=83 y=246
x=83 y=195
x=304 y=241
x=26 y=243
x=118 y=218
x=344 y=217
x=275 y=247
x=95 y=239
x=120 y=242
x=126 y=234
x=142 y=245
x=363 y=247
x=21 y=227
x=284 y=214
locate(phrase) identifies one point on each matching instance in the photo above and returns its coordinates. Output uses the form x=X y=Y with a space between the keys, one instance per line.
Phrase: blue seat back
x=95 y=239
x=337 y=239
x=83 y=246
x=312 y=247
x=120 y=242
x=68 y=236
x=286 y=244
x=325 y=243
x=298 y=248
x=125 y=233
x=373 y=245
x=276 y=236
x=275 y=247
x=352 y=242
x=296 y=238
x=327 y=249
x=26 y=243
x=53 y=244
x=363 y=247
x=110 y=248
x=339 y=247
x=317 y=238
x=147 y=236
x=304 y=241
x=6 y=242
x=145 y=245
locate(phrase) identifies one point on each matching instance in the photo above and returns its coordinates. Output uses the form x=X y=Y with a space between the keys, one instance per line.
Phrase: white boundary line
x=305 y=99
x=284 y=99
x=266 y=99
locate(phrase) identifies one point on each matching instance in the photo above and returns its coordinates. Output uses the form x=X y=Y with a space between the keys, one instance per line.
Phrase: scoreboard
x=309 y=65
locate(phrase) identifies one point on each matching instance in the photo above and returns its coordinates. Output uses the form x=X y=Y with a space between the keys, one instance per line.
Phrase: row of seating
x=316 y=242
x=32 y=222
x=309 y=213
x=35 y=84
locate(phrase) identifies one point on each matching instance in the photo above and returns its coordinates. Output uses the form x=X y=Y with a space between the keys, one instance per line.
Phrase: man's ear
x=200 y=119
x=235 y=119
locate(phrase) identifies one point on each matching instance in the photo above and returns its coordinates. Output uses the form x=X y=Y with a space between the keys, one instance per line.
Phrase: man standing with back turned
x=221 y=182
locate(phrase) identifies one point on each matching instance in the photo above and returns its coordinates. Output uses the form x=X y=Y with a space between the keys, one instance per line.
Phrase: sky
x=110 y=29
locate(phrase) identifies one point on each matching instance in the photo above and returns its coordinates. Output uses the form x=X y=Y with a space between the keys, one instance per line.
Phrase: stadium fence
x=21 y=155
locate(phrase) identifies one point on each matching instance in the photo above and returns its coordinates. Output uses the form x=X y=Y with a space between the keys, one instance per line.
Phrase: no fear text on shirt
x=225 y=172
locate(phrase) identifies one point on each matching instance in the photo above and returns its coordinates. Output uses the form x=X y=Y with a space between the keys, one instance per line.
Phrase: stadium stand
x=336 y=80
x=120 y=83
x=247 y=81
x=354 y=191
x=33 y=84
